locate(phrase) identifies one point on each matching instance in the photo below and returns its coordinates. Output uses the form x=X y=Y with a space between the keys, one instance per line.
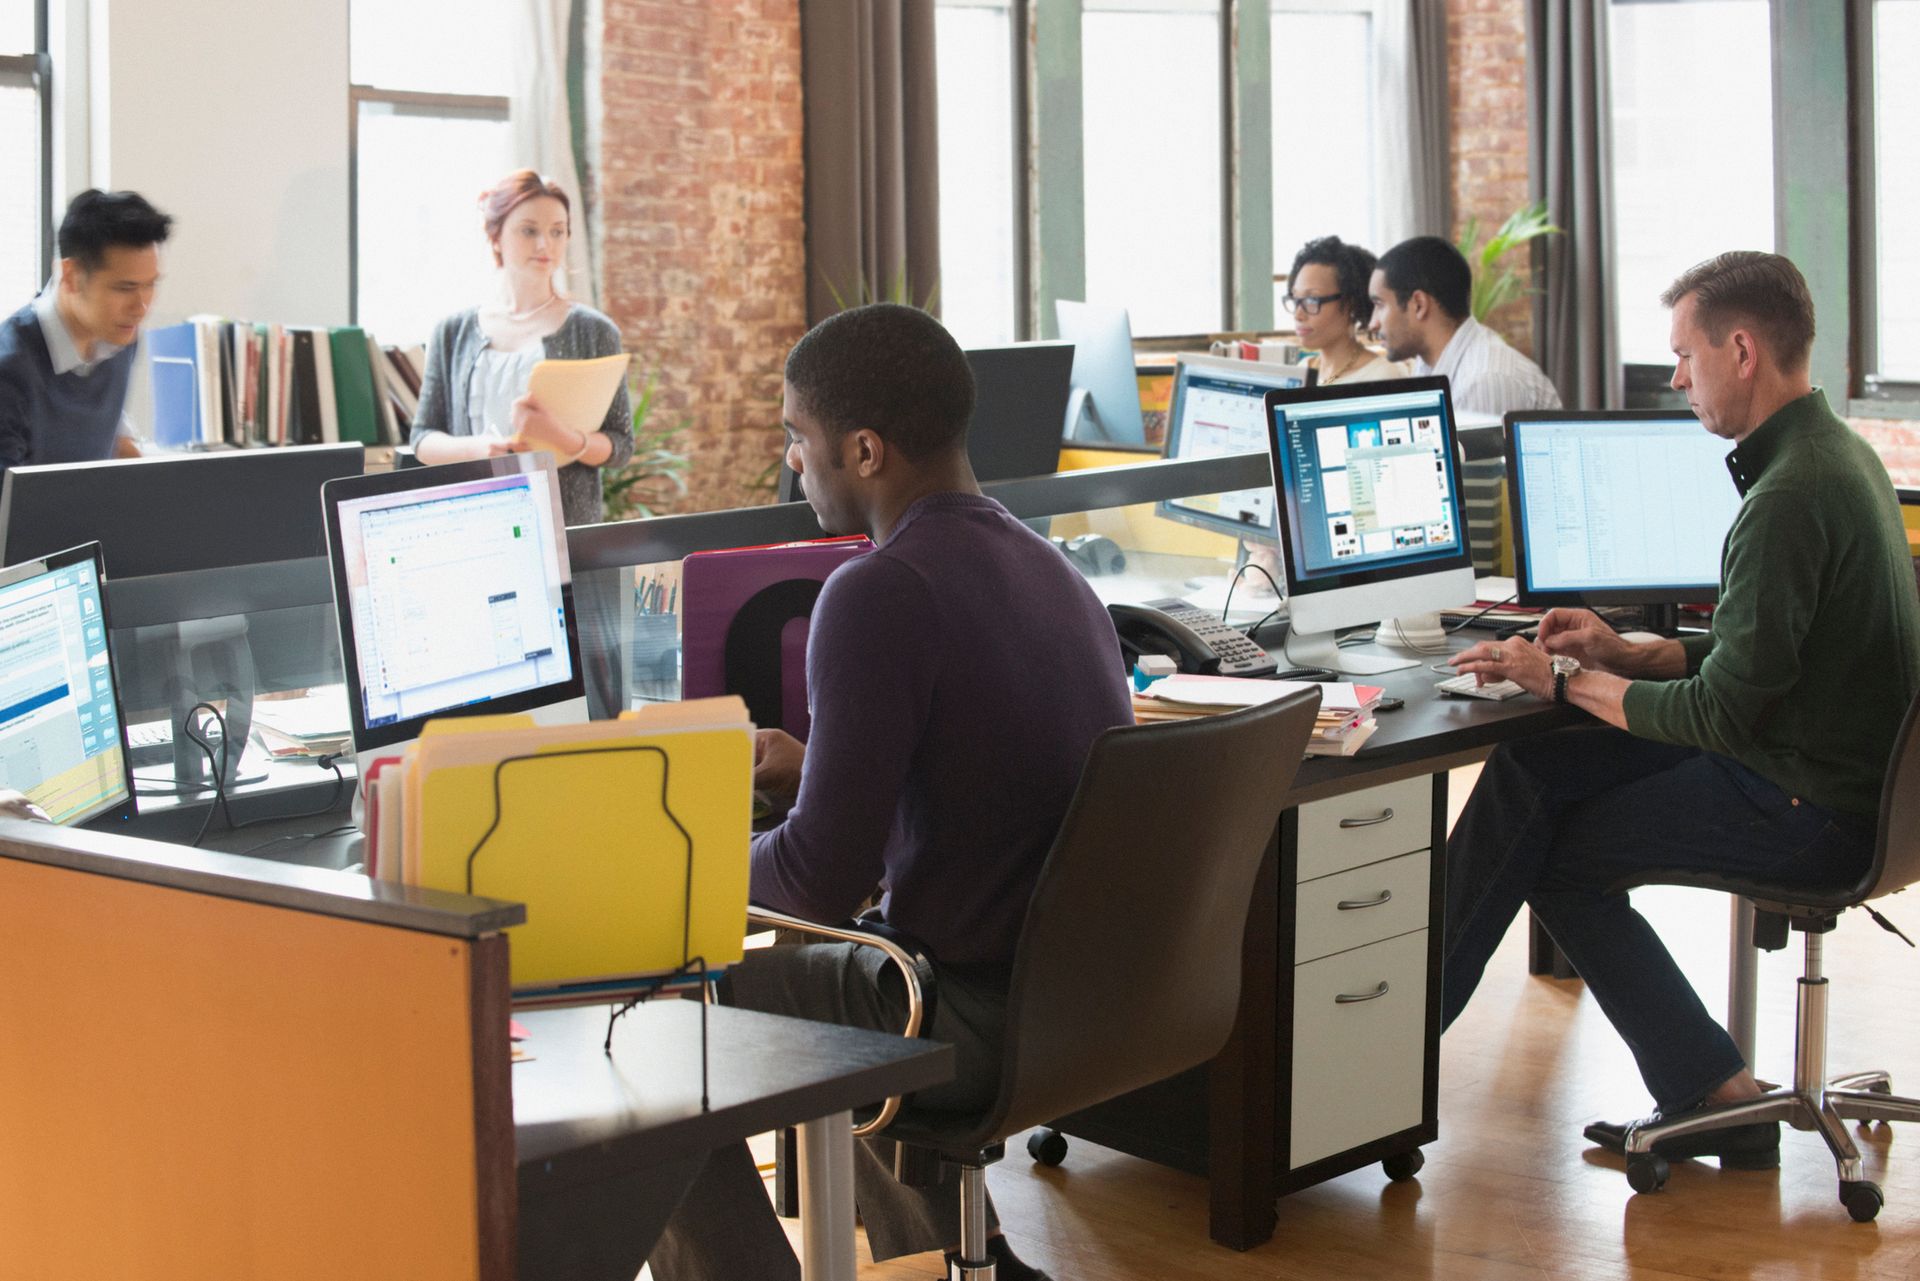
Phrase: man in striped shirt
x=1422 y=294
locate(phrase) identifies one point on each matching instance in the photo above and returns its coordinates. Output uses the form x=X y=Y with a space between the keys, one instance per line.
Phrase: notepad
x=577 y=393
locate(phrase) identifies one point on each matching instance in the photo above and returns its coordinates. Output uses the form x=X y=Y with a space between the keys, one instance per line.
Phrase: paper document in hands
x=577 y=393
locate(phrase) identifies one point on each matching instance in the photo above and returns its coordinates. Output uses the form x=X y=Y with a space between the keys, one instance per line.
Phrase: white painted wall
x=231 y=115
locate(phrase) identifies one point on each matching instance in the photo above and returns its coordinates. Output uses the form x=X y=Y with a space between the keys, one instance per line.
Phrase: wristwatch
x=1565 y=666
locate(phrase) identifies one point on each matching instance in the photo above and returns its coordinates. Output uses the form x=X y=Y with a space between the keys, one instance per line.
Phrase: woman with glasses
x=1327 y=297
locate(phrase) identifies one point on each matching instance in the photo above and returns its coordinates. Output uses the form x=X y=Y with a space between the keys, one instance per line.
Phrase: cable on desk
x=219 y=768
x=1471 y=619
x=1227 y=605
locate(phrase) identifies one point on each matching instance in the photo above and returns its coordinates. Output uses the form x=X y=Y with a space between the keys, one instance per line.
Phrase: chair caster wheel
x=1048 y=1147
x=1647 y=1171
x=1402 y=1166
x=1863 y=1200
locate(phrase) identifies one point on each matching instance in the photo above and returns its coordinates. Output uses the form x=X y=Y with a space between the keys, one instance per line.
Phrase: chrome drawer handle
x=1386 y=815
x=1348 y=999
x=1355 y=904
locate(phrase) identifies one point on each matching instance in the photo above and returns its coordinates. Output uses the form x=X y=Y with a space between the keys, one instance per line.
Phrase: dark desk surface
x=574 y=1105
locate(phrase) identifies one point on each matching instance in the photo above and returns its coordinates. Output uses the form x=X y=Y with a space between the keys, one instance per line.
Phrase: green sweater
x=1815 y=649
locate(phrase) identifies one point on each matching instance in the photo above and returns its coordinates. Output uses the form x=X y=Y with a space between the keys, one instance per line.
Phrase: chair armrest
x=915 y=967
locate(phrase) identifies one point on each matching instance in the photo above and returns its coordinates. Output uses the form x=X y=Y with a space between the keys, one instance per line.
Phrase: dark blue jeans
x=1556 y=821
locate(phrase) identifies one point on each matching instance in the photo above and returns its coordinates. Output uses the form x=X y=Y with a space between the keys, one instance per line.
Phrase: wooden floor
x=1511 y=1190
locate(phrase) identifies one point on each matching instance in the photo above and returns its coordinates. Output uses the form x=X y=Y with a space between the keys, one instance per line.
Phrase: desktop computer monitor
x=62 y=740
x=1104 y=407
x=1369 y=514
x=1620 y=508
x=454 y=595
x=176 y=513
x=1219 y=407
x=1019 y=400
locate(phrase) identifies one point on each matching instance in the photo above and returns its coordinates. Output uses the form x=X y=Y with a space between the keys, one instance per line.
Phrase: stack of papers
x=626 y=839
x=1344 y=723
x=312 y=724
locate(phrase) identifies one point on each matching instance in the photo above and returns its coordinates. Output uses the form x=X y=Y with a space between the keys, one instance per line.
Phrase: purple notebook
x=743 y=625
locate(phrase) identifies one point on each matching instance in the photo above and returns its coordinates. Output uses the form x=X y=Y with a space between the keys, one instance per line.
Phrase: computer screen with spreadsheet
x=1219 y=407
x=1620 y=508
x=453 y=589
x=60 y=726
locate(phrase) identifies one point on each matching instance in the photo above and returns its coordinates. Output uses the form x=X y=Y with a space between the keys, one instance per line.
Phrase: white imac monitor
x=1370 y=515
x=454 y=595
x=1219 y=407
x=62 y=741
x=1104 y=405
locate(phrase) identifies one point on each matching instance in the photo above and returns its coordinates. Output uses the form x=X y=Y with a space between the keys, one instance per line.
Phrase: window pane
x=19 y=192
x=422 y=253
x=16 y=26
x=1896 y=43
x=1321 y=190
x=433 y=46
x=1688 y=184
x=975 y=43
x=1150 y=91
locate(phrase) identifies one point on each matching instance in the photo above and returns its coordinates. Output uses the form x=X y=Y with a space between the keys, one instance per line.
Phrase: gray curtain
x=1412 y=168
x=1570 y=104
x=872 y=153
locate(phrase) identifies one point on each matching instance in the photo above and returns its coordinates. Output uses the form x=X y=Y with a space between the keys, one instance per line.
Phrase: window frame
x=35 y=70
x=1874 y=396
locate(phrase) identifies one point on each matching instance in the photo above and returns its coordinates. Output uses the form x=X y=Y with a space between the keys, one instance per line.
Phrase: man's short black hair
x=1431 y=264
x=97 y=220
x=1352 y=272
x=892 y=370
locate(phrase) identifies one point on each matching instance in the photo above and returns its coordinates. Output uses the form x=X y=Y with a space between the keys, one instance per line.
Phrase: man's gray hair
x=1763 y=292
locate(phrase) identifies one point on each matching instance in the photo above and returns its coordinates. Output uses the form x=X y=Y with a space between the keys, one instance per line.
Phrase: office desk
x=1309 y=1087
x=606 y=1146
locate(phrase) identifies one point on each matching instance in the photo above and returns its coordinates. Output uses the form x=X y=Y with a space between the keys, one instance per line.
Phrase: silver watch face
x=1565 y=664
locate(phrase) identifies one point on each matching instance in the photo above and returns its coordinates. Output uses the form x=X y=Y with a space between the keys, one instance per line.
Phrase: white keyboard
x=1468 y=686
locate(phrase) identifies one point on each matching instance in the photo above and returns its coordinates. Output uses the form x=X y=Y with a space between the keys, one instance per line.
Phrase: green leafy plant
x=657 y=472
x=895 y=288
x=1494 y=283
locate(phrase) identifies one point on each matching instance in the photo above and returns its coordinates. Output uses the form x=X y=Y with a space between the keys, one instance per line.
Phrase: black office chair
x=1128 y=966
x=1813 y=1102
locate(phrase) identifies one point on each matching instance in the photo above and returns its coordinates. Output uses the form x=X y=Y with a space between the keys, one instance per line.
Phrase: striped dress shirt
x=1489 y=377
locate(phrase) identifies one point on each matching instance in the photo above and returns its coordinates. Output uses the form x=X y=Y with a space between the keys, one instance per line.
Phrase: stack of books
x=315 y=723
x=1344 y=723
x=235 y=383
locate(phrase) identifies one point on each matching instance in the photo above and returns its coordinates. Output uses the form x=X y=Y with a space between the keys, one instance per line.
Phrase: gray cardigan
x=455 y=350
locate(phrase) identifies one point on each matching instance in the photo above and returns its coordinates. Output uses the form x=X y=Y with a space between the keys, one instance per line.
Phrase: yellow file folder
x=627 y=840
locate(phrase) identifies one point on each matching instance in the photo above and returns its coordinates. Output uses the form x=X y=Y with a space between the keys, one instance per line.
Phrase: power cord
x=219 y=767
x=1227 y=605
x=1471 y=619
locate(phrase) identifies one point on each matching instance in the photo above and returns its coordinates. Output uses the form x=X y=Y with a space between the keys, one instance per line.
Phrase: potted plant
x=1494 y=283
x=657 y=472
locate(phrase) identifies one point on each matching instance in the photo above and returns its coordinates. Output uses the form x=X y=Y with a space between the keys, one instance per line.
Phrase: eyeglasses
x=1308 y=303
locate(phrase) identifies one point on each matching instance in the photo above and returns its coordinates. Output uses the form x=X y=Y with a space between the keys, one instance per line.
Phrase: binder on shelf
x=171 y=354
x=627 y=839
x=355 y=411
x=303 y=411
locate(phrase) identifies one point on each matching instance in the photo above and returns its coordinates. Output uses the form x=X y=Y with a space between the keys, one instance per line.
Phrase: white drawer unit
x=1365 y=827
x=1359 y=1047
x=1362 y=905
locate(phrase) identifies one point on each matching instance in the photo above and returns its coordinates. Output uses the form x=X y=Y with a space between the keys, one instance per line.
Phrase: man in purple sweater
x=958 y=676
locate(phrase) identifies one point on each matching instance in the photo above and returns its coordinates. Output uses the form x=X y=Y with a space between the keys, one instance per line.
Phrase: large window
x=1896 y=180
x=1150 y=77
x=430 y=133
x=979 y=148
x=1323 y=127
x=23 y=178
x=1693 y=149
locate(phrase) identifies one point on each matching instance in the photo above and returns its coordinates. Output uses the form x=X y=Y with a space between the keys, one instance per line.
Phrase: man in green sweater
x=1760 y=747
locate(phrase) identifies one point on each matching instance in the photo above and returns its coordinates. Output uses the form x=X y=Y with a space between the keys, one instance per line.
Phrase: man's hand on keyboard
x=16 y=805
x=1515 y=659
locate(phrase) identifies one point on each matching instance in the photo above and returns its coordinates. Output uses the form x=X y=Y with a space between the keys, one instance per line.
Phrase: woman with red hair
x=473 y=401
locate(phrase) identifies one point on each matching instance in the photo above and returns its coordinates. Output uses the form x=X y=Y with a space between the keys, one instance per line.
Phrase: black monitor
x=1019 y=402
x=454 y=594
x=62 y=739
x=1219 y=407
x=176 y=513
x=1626 y=507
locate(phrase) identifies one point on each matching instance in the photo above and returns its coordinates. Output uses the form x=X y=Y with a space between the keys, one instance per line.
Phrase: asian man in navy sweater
x=66 y=358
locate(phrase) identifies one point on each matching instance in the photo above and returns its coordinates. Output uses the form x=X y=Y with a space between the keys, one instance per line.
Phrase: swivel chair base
x=1811 y=1103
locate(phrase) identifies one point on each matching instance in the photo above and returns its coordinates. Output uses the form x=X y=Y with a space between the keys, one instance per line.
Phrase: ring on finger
x=1494 y=653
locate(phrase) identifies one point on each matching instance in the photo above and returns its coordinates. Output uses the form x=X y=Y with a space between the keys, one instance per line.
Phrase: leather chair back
x=1896 y=860
x=1128 y=968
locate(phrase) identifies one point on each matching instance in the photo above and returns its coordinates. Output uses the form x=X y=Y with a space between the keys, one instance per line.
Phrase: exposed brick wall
x=1898 y=442
x=702 y=192
x=1486 y=59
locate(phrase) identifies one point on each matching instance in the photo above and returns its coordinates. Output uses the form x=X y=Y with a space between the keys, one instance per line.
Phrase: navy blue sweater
x=958 y=676
x=49 y=418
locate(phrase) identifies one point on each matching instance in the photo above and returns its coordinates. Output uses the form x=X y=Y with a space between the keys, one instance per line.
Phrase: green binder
x=353 y=390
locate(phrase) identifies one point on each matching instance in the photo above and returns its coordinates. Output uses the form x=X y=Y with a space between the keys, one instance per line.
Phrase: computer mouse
x=1389 y=704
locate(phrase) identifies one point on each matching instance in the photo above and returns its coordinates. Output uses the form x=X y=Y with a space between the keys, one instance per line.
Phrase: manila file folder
x=628 y=843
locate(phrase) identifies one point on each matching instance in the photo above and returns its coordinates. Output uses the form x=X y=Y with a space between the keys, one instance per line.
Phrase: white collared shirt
x=60 y=344
x=1489 y=377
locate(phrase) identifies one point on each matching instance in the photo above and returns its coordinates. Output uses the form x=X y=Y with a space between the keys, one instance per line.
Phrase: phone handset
x=1198 y=643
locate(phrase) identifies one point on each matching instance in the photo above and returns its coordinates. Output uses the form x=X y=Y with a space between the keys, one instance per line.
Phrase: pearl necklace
x=529 y=315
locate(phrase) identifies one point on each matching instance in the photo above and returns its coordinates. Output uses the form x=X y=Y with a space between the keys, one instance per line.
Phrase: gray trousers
x=725 y=1229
